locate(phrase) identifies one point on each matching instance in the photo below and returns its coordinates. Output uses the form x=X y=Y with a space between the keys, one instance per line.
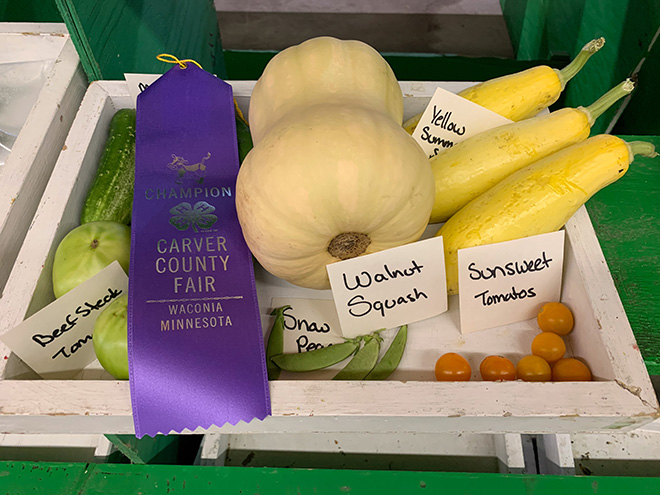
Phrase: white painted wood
x=213 y=449
x=34 y=29
x=50 y=447
x=509 y=451
x=104 y=448
x=621 y=398
x=57 y=214
x=27 y=41
x=86 y=406
x=447 y=452
x=35 y=151
x=639 y=444
x=653 y=426
x=609 y=347
x=49 y=440
x=445 y=7
x=367 y=450
x=426 y=444
x=556 y=454
x=636 y=453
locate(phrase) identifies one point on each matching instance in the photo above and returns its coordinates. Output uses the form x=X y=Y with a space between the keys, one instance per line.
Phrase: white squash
x=318 y=70
x=332 y=175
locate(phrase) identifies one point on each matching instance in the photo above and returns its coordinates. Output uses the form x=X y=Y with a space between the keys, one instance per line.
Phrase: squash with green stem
x=523 y=94
x=539 y=198
x=476 y=164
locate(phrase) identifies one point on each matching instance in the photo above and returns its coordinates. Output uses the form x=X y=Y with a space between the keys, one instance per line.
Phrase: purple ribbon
x=195 y=345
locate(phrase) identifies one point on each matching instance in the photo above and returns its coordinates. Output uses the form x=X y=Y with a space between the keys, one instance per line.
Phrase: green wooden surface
x=641 y=116
x=160 y=449
x=113 y=37
x=89 y=479
x=626 y=217
x=248 y=65
x=29 y=11
x=541 y=29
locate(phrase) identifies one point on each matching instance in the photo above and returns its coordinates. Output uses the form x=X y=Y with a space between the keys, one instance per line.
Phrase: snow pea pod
x=363 y=361
x=316 y=359
x=392 y=356
x=275 y=343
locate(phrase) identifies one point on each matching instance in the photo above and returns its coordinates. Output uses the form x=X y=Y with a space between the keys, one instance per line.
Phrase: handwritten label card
x=309 y=324
x=508 y=281
x=449 y=119
x=390 y=288
x=58 y=339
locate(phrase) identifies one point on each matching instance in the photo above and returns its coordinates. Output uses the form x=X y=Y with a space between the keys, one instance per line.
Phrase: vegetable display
x=533 y=368
x=87 y=250
x=111 y=196
x=555 y=317
x=546 y=363
x=549 y=346
x=333 y=175
x=570 y=370
x=329 y=173
x=452 y=367
x=275 y=343
x=323 y=69
x=476 y=164
x=362 y=362
x=318 y=358
x=524 y=94
x=539 y=198
x=110 y=338
x=497 y=368
x=392 y=357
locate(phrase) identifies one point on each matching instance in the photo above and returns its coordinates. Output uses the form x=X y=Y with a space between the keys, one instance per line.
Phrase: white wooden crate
x=631 y=453
x=621 y=398
x=55 y=448
x=24 y=175
x=635 y=453
x=475 y=452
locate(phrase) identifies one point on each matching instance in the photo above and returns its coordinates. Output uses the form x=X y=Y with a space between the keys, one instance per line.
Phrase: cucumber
x=111 y=196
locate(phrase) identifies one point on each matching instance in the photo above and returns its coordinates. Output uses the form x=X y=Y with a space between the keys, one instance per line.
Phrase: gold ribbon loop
x=171 y=59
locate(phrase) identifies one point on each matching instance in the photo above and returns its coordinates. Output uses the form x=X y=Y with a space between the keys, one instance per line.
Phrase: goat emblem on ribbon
x=196 y=170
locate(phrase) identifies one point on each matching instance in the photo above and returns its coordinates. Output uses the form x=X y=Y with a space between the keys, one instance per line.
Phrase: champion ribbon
x=196 y=353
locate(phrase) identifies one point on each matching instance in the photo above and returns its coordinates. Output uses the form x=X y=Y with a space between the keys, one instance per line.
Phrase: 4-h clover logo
x=201 y=215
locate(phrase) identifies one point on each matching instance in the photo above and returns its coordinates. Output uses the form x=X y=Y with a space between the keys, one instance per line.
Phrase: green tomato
x=110 y=338
x=87 y=250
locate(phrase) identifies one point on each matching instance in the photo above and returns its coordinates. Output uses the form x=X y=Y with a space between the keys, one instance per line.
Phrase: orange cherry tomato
x=570 y=370
x=452 y=367
x=555 y=317
x=497 y=368
x=549 y=346
x=534 y=369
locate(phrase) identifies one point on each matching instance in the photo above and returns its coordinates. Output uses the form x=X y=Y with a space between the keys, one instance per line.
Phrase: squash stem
x=568 y=72
x=643 y=148
x=597 y=108
x=348 y=245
